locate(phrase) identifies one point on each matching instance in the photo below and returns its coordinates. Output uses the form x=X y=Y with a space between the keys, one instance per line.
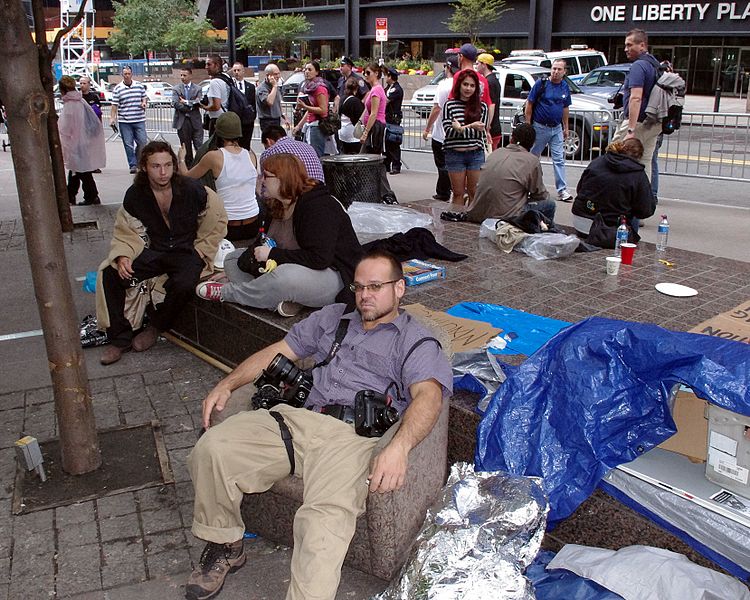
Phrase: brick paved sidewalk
x=133 y=544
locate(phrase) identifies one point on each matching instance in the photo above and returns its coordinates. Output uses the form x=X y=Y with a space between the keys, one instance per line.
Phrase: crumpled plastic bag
x=648 y=573
x=476 y=541
x=369 y=218
x=478 y=371
x=543 y=246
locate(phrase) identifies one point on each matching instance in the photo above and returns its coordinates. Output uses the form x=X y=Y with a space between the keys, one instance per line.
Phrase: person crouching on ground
x=167 y=225
x=465 y=119
x=383 y=348
x=510 y=183
x=316 y=247
x=614 y=185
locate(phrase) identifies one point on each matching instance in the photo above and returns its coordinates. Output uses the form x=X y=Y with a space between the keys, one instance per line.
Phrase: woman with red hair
x=465 y=119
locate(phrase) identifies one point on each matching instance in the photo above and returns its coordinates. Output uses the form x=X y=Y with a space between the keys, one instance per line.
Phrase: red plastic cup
x=627 y=250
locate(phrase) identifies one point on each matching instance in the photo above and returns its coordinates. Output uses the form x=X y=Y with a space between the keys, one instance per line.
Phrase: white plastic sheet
x=647 y=573
x=386 y=219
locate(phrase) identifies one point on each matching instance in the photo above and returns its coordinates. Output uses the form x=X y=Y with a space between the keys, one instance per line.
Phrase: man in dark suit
x=247 y=88
x=186 y=97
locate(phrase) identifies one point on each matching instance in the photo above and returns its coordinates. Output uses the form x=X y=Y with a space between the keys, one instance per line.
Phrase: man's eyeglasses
x=358 y=288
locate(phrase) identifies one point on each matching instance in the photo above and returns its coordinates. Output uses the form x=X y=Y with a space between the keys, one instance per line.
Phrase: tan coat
x=128 y=240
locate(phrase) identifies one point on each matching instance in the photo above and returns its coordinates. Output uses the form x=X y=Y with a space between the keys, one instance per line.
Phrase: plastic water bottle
x=621 y=236
x=265 y=240
x=662 y=235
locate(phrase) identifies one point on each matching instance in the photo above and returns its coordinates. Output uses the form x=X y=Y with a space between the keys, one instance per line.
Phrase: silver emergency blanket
x=476 y=541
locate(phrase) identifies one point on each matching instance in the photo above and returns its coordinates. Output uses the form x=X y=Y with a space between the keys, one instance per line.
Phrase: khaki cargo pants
x=245 y=454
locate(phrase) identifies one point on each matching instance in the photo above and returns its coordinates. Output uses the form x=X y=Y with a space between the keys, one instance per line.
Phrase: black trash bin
x=354 y=177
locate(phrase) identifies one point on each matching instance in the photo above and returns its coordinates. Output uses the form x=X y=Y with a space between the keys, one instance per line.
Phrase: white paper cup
x=613 y=265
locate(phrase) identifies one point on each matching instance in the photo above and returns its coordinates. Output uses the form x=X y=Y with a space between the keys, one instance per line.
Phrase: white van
x=580 y=59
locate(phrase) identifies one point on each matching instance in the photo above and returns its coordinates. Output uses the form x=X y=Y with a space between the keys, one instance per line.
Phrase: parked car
x=605 y=81
x=580 y=60
x=423 y=98
x=159 y=93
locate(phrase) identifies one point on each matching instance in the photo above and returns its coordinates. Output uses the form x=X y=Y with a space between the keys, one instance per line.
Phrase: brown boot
x=217 y=561
x=145 y=339
x=112 y=354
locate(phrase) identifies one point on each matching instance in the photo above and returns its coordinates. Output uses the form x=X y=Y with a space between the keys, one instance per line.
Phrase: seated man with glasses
x=376 y=347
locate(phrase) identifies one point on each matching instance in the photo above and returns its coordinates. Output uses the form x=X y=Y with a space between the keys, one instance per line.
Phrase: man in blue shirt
x=636 y=92
x=547 y=109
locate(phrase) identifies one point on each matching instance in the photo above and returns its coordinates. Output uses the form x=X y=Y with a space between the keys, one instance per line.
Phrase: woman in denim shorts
x=465 y=119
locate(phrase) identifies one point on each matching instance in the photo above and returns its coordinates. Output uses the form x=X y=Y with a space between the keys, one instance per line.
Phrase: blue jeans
x=546 y=207
x=317 y=139
x=133 y=138
x=655 y=167
x=553 y=137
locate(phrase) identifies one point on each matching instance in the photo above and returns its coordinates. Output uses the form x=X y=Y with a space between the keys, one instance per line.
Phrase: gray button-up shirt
x=367 y=360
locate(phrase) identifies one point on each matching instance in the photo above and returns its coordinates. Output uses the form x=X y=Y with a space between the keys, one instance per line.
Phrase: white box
x=728 y=457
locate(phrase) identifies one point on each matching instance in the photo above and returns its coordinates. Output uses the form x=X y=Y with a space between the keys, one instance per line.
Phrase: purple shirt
x=367 y=360
x=304 y=152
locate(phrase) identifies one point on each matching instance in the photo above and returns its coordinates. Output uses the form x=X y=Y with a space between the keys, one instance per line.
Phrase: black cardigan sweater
x=325 y=236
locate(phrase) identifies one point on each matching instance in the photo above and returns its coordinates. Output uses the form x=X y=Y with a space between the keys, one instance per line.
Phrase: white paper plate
x=675 y=289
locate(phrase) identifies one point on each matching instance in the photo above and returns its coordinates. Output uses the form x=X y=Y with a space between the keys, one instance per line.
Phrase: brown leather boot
x=112 y=354
x=216 y=562
x=145 y=339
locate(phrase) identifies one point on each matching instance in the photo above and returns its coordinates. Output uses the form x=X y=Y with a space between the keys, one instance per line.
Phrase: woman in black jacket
x=316 y=253
x=613 y=185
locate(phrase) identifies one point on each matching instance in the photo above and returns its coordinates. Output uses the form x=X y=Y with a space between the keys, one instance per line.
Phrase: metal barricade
x=709 y=145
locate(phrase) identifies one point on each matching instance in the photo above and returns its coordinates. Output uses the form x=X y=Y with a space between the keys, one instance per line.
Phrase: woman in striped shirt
x=465 y=119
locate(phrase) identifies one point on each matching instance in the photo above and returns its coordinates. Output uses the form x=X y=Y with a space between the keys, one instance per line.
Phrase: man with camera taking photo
x=376 y=351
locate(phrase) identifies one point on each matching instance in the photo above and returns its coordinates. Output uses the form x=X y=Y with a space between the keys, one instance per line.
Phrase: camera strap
x=286 y=436
x=416 y=345
x=336 y=346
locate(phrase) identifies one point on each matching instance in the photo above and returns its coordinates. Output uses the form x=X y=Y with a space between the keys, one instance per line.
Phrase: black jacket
x=614 y=185
x=325 y=236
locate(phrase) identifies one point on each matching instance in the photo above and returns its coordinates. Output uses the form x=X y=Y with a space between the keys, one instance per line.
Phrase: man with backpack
x=223 y=96
x=637 y=89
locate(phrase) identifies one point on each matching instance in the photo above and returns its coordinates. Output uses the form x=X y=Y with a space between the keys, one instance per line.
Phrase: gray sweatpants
x=309 y=287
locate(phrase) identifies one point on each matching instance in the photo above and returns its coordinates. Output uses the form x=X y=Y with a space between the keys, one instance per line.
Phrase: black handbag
x=330 y=125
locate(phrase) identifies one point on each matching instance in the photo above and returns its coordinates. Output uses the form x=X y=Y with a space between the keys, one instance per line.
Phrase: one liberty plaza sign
x=688 y=12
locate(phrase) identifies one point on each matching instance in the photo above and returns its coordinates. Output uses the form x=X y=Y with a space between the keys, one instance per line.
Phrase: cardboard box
x=419 y=271
x=689 y=415
x=730 y=325
x=464 y=334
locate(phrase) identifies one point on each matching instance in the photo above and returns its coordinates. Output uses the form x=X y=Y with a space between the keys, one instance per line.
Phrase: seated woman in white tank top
x=236 y=175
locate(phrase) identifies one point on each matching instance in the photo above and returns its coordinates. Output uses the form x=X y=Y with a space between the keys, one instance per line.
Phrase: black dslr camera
x=373 y=415
x=282 y=382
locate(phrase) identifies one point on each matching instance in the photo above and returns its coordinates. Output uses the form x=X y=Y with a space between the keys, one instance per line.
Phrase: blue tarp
x=524 y=332
x=595 y=396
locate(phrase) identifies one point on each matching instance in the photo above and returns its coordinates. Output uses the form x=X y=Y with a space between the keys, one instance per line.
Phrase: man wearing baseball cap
x=467 y=56
x=486 y=67
x=347 y=72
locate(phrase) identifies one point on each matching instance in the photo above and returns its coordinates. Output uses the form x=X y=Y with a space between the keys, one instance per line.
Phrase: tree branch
x=66 y=30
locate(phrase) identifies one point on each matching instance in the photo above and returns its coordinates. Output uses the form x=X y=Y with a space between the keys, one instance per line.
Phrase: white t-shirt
x=441 y=97
x=217 y=89
x=235 y=185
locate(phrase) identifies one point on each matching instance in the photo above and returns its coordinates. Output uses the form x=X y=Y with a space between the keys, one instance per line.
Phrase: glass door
x=743 y=72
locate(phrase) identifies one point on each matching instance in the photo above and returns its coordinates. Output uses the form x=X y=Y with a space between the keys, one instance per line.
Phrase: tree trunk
x=27 y=107
x=46 y=56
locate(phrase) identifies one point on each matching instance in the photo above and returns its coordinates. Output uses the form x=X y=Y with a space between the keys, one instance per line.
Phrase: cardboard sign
x=464 y=334
x=731 y=325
